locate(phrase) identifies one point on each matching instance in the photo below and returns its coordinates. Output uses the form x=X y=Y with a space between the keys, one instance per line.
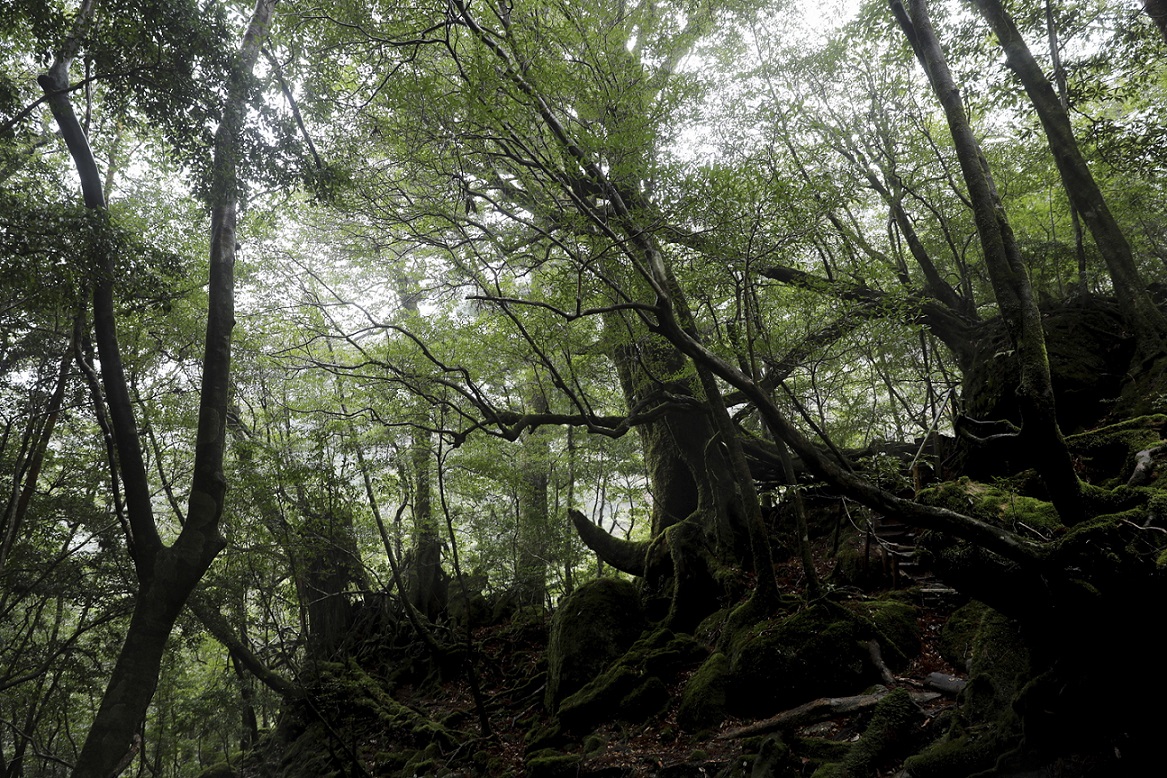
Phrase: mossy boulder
x=1107 y=454
x=893 y=733
x=220 y=770
x=774 y=759
x=632 y=688
x=552 y=764
x=896 y=628
x=1089 y=351
x=703 y=701
x=998 y=505
x=778 y=663
x=593 y=626
x=989 y=646
x=1014 y=589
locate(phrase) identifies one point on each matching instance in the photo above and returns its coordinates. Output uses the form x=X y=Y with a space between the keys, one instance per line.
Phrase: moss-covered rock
x=815 y=652
x=861 y=567
x=593 y=626
x=892 y=733
x=220 y=770
x=955 y=757
x=990 y=647
x=1001 y=506
x=1107 y=454
x=774 y=759
x=896 y=628
x=631 y=688
x=703 y=701
x=646 y=700
x=551 y=764
x=1089 y=351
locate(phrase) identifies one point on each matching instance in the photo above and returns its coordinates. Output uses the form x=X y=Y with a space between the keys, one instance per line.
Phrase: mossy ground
x=659 y=701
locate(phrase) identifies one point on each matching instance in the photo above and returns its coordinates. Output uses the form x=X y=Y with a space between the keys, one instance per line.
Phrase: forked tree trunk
x=166 y=575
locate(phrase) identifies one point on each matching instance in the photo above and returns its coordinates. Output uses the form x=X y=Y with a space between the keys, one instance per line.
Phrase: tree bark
x=533 y=541
x=1138 y=309
x=427 y=586
x=166 y=575
x=625 y=555
x=1157 y=10
x=1040 y=431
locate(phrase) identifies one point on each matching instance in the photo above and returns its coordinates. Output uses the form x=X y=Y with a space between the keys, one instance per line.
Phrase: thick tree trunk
x=689 y=473
x=1007 y=273
x=135 y=675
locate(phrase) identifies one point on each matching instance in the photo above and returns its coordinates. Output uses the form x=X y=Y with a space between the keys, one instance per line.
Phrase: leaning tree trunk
x=166 y=574
x=1040 y=432
x=1138 y=309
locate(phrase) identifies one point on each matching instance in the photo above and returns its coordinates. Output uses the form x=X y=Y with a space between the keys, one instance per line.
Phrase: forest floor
x=510 y=655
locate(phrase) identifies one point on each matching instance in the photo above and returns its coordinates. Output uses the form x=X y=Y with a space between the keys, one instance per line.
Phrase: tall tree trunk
x=427 y=585
x=1055 y=51
x=166 y=575
x=534 y=530
x=1138 y=309
x=1040 y=431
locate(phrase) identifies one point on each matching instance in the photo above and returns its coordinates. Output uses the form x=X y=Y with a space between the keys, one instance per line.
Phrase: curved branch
x=210 y=617
x=625 y=555
x=951 y=327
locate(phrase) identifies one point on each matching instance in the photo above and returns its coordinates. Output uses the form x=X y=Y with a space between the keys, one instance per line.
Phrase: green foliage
x=432 y=300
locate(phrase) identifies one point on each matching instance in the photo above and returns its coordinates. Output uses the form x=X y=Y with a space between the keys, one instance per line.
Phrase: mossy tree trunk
x=1040 y=432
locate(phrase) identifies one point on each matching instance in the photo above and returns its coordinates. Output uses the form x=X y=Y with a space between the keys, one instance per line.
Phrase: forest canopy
x=335 y=335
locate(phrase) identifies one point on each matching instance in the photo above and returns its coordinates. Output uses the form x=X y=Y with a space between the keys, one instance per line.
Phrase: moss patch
x=1107 y=454
x=1027 y=516
x=593 y=626
x=896 y=628
x=703 y=701
x=892 y=733
x=549 y=764
x=816 y=652
x=632 y=688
